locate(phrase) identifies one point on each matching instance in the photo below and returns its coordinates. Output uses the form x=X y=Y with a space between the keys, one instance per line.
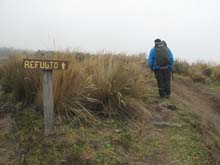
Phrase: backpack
x=162 y=57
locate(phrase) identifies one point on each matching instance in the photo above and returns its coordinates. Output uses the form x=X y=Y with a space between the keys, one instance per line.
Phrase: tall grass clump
x=215 y=75
x=205 y=72
x=23 y=84
x=107 y=85
x=181 y=67
x=93 y=87
x=1 y=72
x=199 y=71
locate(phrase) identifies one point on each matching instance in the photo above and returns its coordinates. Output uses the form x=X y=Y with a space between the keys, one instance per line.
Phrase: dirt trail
x=206 y=105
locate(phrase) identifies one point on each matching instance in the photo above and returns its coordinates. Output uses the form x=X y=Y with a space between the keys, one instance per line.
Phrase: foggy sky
x=190 y=27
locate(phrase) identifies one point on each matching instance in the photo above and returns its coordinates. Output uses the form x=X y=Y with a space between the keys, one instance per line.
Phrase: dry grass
x=181 y=67
x=198 y=72
x=99 y=85
x=24 y=84
x=215 y=74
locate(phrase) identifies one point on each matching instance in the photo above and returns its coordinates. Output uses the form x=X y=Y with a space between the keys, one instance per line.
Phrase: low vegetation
x=112 y=141
x=199 y=72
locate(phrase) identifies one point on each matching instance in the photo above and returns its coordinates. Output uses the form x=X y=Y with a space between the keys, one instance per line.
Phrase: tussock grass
x=181 y=67
x=24 y=84
x=215 y=74
x=104 y=84
x=198 y=72
x=95 y=85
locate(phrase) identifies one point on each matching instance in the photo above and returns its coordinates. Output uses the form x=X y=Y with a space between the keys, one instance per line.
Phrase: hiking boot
x=167 y=96
x=162 y=96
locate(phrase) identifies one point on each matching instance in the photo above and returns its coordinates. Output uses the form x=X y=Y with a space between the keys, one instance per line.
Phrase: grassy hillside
x=108 y=112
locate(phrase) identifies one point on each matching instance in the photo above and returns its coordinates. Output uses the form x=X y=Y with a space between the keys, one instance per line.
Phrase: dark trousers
x=163 y=77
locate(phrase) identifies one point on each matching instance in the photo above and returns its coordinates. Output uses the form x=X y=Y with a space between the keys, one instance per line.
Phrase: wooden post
x=48 y=102
x=47 y=66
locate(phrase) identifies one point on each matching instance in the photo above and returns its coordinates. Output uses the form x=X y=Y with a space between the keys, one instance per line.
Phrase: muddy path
x=206 y=105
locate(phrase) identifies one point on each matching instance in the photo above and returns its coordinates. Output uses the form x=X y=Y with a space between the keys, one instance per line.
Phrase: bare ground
x=206 y=105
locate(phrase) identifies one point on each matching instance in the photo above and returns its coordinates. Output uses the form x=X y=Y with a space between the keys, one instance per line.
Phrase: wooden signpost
x=47 y=66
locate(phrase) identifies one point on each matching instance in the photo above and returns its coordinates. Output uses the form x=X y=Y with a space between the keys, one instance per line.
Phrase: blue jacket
x=151 y=60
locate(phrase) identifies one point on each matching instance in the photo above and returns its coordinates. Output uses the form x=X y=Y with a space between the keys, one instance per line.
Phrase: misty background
x=190 y=27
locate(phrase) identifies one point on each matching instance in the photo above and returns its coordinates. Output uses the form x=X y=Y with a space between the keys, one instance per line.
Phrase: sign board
x=45 y=64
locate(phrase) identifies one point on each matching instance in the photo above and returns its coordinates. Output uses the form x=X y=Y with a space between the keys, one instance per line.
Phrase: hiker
x=161 y=61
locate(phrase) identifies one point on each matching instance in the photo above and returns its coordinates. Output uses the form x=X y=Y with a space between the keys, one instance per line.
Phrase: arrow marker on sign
x=63 y=65
x=48 y=96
